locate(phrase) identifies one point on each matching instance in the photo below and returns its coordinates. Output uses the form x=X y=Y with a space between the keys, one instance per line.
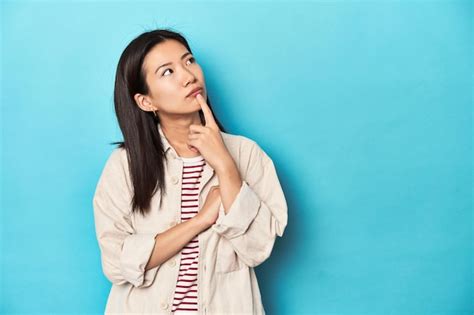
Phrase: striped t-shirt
x=185 y=295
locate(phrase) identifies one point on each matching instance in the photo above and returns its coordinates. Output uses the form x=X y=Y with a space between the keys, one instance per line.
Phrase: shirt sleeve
x=124 y=253
x=258 y=213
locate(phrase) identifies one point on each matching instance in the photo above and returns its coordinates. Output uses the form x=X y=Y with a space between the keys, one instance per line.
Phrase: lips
x=195 y=91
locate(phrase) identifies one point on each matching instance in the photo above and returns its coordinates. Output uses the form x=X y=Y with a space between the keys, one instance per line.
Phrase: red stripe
x=186 y=309
x=187 y=280
x=189 y=177
x=194 y=262
x=188 y=303
x=182 y=298
x=192 y=172
x=184 y=270
x=190 y=247
x=186 y=286
x=187 y=296
x=189 y=166
x=189 y=275
x=189 y=291
x=184 y=292
x=187 y=217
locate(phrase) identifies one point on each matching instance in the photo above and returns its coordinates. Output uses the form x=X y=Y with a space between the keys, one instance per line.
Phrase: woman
x=192 y=247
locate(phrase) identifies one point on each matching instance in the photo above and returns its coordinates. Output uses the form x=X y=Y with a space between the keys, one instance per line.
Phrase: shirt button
x=204 y=267
x=174 y=179
x=172 y=263
x=164 y=305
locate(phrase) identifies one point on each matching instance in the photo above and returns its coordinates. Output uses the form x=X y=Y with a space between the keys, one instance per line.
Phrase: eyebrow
x=168 y=63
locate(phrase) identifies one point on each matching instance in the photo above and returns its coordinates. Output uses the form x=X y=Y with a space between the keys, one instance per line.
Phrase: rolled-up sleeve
x=124 y=253
x=258 y=213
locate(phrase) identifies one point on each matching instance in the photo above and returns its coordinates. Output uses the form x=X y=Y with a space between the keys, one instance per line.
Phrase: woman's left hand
x=207 y=139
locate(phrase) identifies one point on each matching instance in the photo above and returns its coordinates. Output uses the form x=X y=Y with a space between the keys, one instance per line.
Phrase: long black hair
x=142 y=140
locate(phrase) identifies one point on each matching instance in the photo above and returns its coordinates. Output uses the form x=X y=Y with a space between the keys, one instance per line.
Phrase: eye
x=166 y=70
x=192 y=59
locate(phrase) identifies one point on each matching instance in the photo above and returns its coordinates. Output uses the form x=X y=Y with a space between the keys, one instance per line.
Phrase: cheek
x=164 y=90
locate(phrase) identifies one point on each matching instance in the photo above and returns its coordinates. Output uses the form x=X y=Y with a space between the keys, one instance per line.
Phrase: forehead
x=167 y=51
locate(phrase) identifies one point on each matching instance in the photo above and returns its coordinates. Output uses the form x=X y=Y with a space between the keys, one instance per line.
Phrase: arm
x=230 y=182
x=170 y=242
x=124 y=253
x=258 y=214
x=127 y=256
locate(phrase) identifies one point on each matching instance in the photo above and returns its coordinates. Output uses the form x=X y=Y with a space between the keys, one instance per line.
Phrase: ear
x=143 y=102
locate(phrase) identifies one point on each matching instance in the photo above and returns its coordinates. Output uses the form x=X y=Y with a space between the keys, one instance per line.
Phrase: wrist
x=226 y=165
x=201 y=222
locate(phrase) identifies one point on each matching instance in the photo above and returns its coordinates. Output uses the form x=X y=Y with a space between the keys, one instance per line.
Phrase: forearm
x=170 y=242
x=230 y=183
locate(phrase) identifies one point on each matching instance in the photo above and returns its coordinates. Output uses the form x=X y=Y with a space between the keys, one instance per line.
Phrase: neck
x=176 y=130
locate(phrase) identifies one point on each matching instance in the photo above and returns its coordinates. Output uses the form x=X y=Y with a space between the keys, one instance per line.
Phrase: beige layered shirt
x=229 y=250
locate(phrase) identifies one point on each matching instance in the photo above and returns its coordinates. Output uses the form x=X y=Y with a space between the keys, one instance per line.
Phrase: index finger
x=210 y=121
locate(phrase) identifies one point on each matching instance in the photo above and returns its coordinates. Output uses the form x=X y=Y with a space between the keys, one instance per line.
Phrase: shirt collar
x=166 y=144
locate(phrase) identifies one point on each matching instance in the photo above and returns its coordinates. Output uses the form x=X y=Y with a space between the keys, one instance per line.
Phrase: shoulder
x=116 y=164
x=245 y=148
x=116 y=170
x=235 y=141
x=118 y=157
x=119 y=153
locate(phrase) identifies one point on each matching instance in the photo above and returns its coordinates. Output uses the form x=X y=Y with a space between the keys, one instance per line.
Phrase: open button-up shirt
x=229 y=250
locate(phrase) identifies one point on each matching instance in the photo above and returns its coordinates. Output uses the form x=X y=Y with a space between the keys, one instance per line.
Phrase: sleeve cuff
x=136 y=251
x=240 y=215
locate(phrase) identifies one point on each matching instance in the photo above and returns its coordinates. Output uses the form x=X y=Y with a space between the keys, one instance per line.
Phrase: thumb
x=190 y=147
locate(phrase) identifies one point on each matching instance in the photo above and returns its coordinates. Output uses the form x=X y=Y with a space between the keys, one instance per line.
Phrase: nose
x=188 y=77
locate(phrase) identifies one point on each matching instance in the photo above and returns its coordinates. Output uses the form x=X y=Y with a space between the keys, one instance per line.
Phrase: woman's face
x=171 y=74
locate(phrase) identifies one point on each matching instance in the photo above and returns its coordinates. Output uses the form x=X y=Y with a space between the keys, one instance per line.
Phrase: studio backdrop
x=365 y=108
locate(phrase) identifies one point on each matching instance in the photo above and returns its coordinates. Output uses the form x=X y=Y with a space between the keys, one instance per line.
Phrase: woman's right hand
x=210 y=210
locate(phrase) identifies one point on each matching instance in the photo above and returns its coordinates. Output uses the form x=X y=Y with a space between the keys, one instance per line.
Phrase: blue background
x=364 y=106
